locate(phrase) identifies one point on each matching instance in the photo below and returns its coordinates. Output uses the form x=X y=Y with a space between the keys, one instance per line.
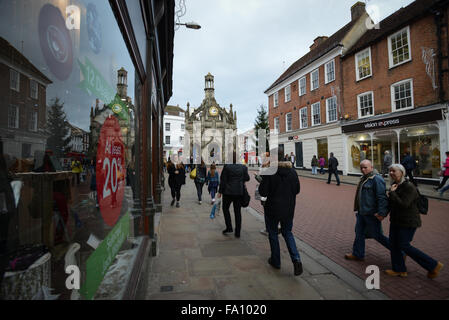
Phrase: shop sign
x=404 y=120
x=99 y=261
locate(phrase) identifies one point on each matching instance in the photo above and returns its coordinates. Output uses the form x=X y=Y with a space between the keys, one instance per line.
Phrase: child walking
x=212 y=181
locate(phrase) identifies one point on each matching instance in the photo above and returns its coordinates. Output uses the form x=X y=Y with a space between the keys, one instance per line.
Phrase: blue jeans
x=271 y=224
x=314 y=170
x=444 y=189
x=400 y=239
x=371 y=225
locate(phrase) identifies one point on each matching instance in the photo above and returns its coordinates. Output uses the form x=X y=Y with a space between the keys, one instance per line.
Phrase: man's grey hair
x=400 y=167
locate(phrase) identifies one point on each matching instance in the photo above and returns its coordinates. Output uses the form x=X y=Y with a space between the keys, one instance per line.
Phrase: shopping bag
x=193 y=174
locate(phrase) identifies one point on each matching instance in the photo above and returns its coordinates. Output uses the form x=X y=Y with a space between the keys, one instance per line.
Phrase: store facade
x=106 y=68
x=422 y=133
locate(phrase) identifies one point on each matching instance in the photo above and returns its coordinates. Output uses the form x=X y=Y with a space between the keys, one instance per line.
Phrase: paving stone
x=223 y=249
x=209 y=267
x=332 y=288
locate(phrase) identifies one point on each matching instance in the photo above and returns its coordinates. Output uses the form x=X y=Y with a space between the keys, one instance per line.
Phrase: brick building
x=396 y=90
x=305 y=101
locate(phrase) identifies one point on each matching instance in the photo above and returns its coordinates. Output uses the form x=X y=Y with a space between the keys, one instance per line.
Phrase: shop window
x=316 y=114
x=363 y=64
x=365 y=103
x=359 y=148
x=402 y=95
x=322 y=148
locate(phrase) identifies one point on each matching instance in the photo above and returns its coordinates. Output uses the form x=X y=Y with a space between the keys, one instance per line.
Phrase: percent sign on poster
x=110 y=172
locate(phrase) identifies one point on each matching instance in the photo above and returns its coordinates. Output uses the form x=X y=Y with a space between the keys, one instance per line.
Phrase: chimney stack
x=317 y=42
x=357 y=10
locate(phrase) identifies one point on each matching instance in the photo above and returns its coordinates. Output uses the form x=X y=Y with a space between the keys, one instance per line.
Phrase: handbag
x=193 y=174
x=423 y=203
x=245 y=198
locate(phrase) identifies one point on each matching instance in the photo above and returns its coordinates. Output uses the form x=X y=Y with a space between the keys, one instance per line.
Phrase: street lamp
x=190 y=25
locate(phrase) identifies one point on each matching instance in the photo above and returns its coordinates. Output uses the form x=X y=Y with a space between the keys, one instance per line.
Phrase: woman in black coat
x=176 y=178
x=404 y=220
x=281 y=190
x=200 y=179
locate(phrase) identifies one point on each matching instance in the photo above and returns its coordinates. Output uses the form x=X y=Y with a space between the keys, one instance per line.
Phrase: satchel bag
x=245 y=198
x=423 y=203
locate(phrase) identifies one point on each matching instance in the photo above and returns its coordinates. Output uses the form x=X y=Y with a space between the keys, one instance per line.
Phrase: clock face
x=213 y=111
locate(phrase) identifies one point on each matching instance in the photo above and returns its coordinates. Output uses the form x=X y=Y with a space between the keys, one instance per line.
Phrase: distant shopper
x=212 y=182
x=409 y=164
x=200 y=179
x=322 y=163
x=314 y=165
x=76 y=169
x=333 y=169
x=371 y=207
x=232 y=184
x=388 y=160
x=280 y=190
x=404 y=220
x=292 y=159
x=176 y=179
x=445 y=174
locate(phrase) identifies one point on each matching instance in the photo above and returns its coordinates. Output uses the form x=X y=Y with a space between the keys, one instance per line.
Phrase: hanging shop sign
x=391 y=122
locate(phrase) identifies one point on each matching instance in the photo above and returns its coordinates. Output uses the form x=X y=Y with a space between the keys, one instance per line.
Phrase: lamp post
x=190 y=25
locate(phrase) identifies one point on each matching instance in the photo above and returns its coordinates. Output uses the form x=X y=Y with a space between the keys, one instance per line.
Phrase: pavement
x=196 y=261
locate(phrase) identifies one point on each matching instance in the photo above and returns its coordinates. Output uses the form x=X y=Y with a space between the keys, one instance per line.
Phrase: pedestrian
x=280 y=190
x=212 y=182
x=321 y=162
x=409 y=164
x=333 y=169
x=314 y=165
x=445 y=174
x=200 y=179
x=388 y=160
x=232 y=184
x=404 y=220
x=76 y=169
x=292 y=159
x=93 y=182
x=371 y=207
x=176 y=179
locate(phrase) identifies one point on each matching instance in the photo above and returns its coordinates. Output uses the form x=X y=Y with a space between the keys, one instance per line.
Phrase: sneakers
x=172 y=202
x=396 y=274
x=270 y=262
x=199 y=201
x=177 y=205
x=350 y=256
x=227 y=231
x=297 y=267
x=433 y=274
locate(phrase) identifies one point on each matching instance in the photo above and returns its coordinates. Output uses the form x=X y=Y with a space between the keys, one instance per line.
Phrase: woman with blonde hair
x=404 y=220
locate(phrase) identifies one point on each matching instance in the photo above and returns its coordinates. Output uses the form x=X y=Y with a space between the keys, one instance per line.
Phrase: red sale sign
x=110 y=171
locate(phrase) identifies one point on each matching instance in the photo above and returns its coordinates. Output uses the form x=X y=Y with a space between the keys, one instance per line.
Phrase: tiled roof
x=395 y=21
x=332 y=42
x=173 y=109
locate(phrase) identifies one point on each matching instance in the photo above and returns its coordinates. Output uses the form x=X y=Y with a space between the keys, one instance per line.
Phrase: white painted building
x=174 y=131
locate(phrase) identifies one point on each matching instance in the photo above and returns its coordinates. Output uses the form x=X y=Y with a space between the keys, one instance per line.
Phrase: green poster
x=119 y=107
x=99 y=261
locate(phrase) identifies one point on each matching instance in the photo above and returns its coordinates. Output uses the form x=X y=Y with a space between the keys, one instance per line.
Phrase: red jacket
x=446 y=165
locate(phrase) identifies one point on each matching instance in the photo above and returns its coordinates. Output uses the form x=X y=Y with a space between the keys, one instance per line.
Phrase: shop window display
x=359 y=147
x=323 y=150
x=71 y=187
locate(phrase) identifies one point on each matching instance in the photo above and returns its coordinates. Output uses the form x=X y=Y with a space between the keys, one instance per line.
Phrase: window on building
x=365 y=103
x=331 y=109
x=363 y=64
x=32 y=124
x=181 y=139
x=330 y=71
x=402 y=95
x=304 y=122
x=14 y=80
x=288 y=122
x=399 y=47
x=316 y=114
x=182 y=114
x=167 y=126
x=276 y=99
x=13 y=117
x=314 y=78
x=167 y=139
x=183 y=126
x=26 y=150
x=33 y=89
x=276 y=125
x=302 y=86
x=288 y=90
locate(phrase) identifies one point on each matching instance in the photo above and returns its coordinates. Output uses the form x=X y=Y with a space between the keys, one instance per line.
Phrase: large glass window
x=359 y=148
x=322 y=148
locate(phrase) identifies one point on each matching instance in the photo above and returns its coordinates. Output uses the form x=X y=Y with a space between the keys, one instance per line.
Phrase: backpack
x=423 y=203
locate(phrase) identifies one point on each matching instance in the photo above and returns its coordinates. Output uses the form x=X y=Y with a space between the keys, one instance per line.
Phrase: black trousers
x=409 y=174
x=443 y=182
x=176 y=192
x=236 y=200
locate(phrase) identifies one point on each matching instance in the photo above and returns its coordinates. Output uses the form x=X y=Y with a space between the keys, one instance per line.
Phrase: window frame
x=17 y=88
x=31 y=90
x=183 y=127
x=167 y=141
x=276 y=99
x=305 y=86
x=289 y=95
x=326 y=79
x=16 y=125
x=167 y=127
x=357 y=75
x=312 y=113
x=317 y=70
x=393 y=104
x=278 y=129
x=359 y=110
x=32 y=121
x=390 y=51
x=327 y=109
x=286 y=122
x=301 y=124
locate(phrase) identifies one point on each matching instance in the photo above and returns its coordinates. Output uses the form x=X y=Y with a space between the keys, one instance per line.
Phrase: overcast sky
x=248 y=44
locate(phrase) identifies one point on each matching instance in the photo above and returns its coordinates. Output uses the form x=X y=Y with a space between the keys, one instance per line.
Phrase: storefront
x=106 y=68
x=422 y=133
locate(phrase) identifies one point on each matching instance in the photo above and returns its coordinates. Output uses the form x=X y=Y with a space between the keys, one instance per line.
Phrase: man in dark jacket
x=333 y=169
x=281 y=190
x=409 y=164
x=232 y=183
x=371 y=207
